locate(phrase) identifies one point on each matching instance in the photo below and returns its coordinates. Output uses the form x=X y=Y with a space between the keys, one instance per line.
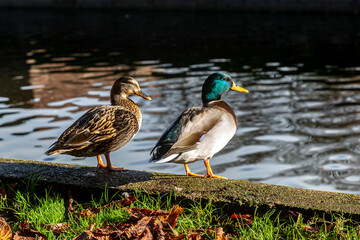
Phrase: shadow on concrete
x=82 y=181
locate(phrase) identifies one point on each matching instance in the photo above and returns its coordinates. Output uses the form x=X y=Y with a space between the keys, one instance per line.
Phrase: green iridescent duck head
x=216 y=85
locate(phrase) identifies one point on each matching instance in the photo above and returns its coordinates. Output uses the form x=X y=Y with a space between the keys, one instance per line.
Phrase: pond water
x=299 y=125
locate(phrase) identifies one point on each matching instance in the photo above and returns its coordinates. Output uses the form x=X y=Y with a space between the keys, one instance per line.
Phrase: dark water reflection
x=299 y=125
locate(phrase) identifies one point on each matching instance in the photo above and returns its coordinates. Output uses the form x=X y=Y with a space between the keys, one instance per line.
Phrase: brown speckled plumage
x=103 y=129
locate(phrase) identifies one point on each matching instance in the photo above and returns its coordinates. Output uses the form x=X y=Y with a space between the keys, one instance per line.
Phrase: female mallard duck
x=200 y=132
x=104 y=129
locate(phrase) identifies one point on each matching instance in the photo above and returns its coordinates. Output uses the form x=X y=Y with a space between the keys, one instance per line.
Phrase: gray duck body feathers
x=193 y=128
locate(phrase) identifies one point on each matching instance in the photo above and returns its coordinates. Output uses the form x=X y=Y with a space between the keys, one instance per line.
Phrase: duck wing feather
x=98 y=125
x=185 y=132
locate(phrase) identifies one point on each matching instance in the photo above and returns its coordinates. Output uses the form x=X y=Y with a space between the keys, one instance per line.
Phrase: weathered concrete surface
x=235 y=193
x=239 y=5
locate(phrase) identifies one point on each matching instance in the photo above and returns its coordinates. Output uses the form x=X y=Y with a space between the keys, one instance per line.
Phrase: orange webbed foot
x=209 y=173
x=213 y=176
x=189 y=173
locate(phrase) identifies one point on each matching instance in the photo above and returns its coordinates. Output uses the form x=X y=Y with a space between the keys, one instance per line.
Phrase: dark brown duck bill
x=143 y=95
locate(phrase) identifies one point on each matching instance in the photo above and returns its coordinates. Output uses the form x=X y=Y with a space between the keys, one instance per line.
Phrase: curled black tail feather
x=159 y=151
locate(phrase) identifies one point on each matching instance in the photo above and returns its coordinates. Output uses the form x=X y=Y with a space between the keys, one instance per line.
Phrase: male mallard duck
x=104 y=129
x=200 y=132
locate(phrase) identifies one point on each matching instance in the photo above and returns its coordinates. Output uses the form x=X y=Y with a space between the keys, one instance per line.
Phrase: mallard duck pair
x=197 y=134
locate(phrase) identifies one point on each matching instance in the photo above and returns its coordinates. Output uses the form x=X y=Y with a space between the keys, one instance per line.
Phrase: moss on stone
x=233 y=193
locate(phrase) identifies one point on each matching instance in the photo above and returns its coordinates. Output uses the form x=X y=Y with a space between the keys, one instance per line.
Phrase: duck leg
x=189 y=173
x=100 y=162
x=109 y=166
x=209 y=173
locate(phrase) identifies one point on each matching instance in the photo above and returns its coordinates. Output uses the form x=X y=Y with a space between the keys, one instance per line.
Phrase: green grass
x=201 y=218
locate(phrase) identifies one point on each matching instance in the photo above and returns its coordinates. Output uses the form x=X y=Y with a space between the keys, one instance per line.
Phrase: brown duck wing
x=99 y=124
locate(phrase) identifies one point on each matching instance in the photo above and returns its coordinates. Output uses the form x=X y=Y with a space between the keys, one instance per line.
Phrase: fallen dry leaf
x=316 y=226
x=195 y=236
x=148 y=212
x=220 y=235
x=240 y=216
x=86 y=235
x=5 y=230
x=180 y=237
x=172 y=217
x=118 y=203
x=311 y=229
x=242 y=219
x=90 y=212
x=141 y=228
x=57 y=228
x=143 y=224
x=26 y=233
x=168 y=229
x=89 y=235
x=199 y=233
x=29 y=234
x=70 y=207
x=125 y=202
x=86 y=213
x=160 y=232
x=290 y=214
x=323 y=222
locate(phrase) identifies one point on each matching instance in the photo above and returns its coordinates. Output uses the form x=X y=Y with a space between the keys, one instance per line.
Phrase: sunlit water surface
x=298 y=126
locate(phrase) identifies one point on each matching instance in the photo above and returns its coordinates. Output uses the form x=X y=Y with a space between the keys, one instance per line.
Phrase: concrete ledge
x=237 y=5
x=236 y=194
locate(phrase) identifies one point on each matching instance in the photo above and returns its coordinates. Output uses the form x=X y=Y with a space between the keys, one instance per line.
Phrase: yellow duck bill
x=238 y=89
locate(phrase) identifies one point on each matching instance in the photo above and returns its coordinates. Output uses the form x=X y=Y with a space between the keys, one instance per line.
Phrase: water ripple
x=298 y=126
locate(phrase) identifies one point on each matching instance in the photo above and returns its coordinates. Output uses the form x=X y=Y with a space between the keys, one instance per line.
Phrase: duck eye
x=224 y=79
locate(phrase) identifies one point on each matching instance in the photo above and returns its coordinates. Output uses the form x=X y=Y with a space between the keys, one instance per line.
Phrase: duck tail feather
x=170 y=158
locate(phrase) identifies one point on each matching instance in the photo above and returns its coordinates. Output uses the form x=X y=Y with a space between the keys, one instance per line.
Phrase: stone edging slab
x=234 y=193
